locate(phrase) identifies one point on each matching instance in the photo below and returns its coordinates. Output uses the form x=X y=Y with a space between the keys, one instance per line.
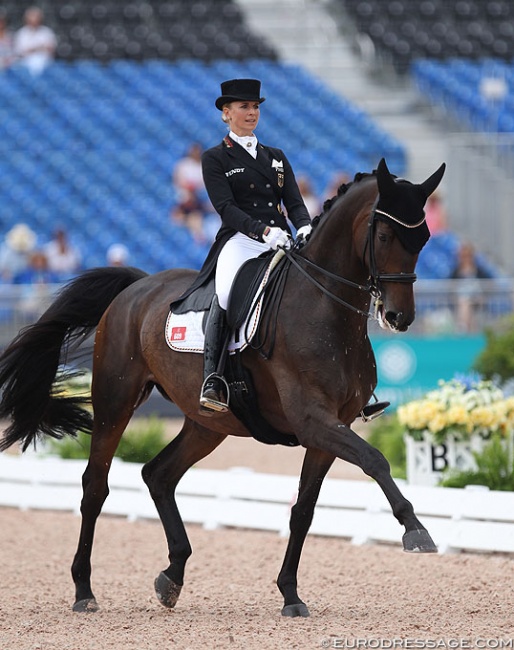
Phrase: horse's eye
x=382 y=236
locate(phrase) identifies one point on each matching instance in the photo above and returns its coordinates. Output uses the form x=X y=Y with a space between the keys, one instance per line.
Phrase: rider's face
x=242 y=117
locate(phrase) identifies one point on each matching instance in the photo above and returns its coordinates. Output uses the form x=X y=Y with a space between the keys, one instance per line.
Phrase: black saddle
x=243 y=398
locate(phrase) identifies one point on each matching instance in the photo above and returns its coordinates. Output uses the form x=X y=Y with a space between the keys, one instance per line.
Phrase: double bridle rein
x=375 y=278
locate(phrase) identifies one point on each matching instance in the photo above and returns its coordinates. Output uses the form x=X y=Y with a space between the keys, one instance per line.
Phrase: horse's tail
x=29 y=365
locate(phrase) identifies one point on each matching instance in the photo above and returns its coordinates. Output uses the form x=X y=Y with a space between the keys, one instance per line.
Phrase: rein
x=276 y=283
x=293 y=257
x=375 y=278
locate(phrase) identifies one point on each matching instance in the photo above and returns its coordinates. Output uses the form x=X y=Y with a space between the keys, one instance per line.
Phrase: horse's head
x=397 y=232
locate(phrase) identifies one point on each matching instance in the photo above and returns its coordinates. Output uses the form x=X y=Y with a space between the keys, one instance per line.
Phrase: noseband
x=375 y=278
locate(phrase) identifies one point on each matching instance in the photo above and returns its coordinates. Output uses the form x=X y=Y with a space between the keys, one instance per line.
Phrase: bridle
x=375 y=278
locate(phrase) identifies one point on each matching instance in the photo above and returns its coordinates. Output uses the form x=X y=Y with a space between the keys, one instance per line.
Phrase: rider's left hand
x=303 y=234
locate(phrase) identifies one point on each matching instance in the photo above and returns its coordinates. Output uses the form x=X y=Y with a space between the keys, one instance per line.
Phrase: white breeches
x=234 y=254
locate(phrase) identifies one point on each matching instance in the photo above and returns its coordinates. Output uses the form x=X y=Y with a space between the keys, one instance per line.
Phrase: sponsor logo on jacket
x=236 y=170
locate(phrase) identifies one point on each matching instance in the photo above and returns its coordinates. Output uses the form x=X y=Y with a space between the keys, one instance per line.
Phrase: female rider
x=247 y=183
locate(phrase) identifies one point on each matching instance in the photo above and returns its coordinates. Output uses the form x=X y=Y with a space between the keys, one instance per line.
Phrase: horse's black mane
x=342 y=189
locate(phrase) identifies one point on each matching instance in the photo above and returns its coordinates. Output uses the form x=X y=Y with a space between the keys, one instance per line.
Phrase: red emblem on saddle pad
x=178 y=333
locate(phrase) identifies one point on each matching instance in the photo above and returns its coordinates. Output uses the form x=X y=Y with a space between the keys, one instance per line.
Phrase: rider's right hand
x=276 y=238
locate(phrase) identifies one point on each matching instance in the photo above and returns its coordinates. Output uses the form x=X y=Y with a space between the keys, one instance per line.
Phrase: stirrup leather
x=216 y=400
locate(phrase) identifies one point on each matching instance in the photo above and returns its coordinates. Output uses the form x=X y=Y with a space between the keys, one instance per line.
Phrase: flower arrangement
x=460 y=409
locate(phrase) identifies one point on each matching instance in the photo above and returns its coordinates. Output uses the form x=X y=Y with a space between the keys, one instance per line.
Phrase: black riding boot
x=214 y=394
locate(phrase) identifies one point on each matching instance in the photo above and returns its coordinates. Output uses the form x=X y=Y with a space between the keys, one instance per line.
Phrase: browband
x=405 y=225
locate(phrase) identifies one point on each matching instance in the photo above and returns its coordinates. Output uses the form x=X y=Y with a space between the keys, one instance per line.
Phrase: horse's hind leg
x=95 y=491
x=162 y=474
x=315 y=467
x=113 y=400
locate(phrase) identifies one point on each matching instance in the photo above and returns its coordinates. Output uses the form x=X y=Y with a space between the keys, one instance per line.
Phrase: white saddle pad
x=183 y=332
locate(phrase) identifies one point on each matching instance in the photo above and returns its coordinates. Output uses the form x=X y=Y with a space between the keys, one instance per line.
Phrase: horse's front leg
x=315 y=467
x=340 y=440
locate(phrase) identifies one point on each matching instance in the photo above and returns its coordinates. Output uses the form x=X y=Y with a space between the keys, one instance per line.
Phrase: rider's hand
x=276 y=238
x=303 y=233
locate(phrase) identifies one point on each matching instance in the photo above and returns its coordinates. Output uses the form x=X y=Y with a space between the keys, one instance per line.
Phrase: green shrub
x=496 y=360
x=386 y=434
x=139 y=444
x=495 y=468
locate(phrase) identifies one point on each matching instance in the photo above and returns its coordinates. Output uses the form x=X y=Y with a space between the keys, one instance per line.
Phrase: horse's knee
x=156 y=479
x=147 y=473
x=374 y=463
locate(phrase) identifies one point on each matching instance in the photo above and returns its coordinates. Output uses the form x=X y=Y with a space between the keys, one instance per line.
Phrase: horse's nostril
x=391 y=317
x=394 y=318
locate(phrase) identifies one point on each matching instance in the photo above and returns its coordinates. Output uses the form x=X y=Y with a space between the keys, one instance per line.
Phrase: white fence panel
x=472 y=519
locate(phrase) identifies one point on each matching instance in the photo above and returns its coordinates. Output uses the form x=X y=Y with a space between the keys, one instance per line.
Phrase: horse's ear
x=433 y=181
x=385 y=181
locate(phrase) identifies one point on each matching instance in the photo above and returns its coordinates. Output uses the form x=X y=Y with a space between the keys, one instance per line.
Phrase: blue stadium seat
x=93 y=146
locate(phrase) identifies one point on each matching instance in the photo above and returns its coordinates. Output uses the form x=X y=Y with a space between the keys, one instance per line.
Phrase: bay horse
x=321 y=373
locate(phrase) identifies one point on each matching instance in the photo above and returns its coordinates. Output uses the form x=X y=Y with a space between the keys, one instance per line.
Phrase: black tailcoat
x=248 y=194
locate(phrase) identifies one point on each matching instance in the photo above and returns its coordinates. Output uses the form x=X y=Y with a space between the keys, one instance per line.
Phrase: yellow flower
x=460 y=409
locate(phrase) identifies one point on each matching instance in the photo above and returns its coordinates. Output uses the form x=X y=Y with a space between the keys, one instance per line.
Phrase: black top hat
x=243 y=90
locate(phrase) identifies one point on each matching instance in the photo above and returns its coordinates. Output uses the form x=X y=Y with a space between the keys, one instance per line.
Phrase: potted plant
x=443 y=429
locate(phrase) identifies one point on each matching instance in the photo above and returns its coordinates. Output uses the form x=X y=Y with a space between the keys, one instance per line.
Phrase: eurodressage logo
x=396 y=362
x=410 y=643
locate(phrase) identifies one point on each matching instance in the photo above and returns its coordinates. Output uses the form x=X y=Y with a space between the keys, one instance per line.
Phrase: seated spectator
x=191 y=212
x=34 y=43
x=19 y=242
x=6 y=43
x=311 y=201
x=187 y=174
x=63 y=258
x=435 y=214
x=117 y=255
x=469 y=271
x=39 y=284
x=37 y=271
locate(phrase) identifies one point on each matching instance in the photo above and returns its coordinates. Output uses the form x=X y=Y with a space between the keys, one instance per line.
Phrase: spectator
x=63 y=259
x=38 y=284
x=37 y=271
x=117 y=255
x=435 y=214
x=190 y=212
x=35 y=43
x=311 y=201
x=19 y=242
x=469 y=272
x=6 y=43
x=187 y=174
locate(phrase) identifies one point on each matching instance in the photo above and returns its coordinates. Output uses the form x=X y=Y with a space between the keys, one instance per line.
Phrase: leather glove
x=303 y=233
x=276 y=238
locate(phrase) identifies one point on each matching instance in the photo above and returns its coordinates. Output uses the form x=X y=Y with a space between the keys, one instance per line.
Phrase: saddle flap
x=244 y=288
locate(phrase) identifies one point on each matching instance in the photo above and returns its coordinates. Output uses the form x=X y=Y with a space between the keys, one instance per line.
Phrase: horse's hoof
x=86 y=606
x=166 y=590
x=418 y=541
x=298 y=609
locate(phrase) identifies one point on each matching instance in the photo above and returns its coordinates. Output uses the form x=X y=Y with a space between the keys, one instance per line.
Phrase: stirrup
x=215 y=401
x=374 y=410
